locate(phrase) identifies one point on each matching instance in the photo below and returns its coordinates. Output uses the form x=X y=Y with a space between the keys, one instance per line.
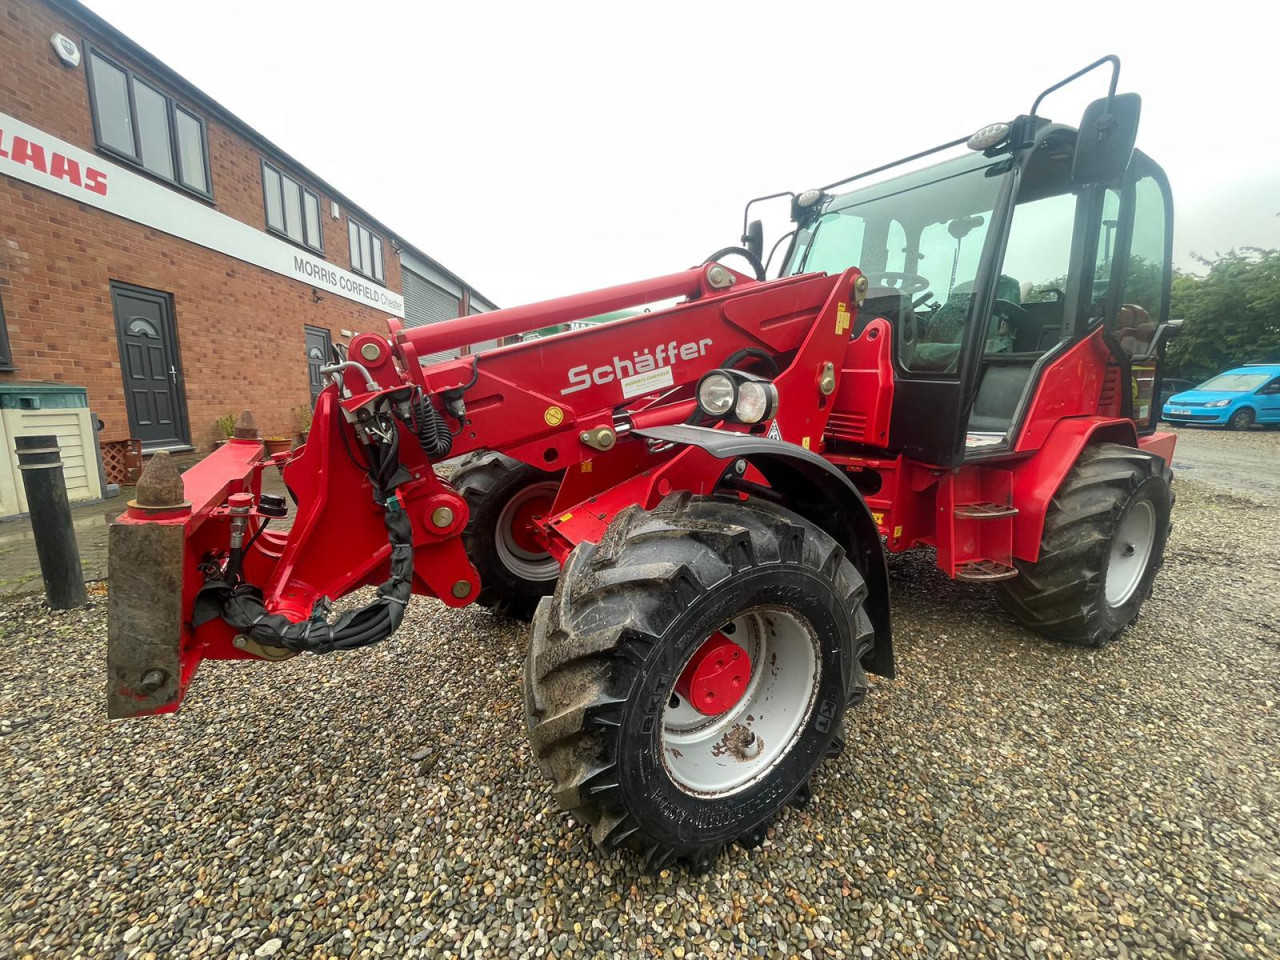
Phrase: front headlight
x=1217 y=403
x=716 y=394
x=757 y=401
x=737 y=396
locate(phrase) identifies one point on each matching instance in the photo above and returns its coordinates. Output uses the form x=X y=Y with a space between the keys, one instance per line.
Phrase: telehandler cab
x=693 y=504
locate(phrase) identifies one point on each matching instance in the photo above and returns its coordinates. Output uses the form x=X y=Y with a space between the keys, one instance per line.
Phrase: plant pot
x=278 y=445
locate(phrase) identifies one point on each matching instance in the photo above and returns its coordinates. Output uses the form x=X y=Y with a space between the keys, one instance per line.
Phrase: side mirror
x=753 y=239
x=1108 y=131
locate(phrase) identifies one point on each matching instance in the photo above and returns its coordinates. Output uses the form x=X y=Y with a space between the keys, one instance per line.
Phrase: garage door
x=426 y=303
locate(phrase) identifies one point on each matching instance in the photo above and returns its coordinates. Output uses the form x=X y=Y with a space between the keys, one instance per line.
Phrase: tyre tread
x=617 y=598
x=1057 y=594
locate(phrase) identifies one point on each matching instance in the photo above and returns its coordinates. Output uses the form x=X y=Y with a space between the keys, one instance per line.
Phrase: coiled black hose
x=433 y=433
x=240 y=604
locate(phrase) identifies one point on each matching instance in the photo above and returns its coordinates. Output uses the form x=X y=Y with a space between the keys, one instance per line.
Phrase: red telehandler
x=693 y=504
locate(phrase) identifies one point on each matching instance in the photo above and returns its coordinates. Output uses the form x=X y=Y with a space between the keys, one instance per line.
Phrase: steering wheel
x=1011 y=311
x=908 y=283
x=742 y=252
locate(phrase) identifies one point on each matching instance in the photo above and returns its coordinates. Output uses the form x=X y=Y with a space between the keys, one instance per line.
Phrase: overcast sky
x=539 y=149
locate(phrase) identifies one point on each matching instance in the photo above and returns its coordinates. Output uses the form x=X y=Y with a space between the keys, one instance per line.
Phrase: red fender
x=1037 y=479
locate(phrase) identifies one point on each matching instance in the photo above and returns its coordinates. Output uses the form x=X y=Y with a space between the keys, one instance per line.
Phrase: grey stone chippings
x=1004 y=797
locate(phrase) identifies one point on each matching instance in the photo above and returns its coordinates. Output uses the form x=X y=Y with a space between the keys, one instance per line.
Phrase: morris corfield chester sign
x=45 y=161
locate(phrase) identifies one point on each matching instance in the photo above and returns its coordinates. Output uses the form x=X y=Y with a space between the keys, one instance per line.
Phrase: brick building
x=159 y=252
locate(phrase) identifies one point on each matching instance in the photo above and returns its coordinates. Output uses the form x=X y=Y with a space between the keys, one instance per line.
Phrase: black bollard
x=51 y=521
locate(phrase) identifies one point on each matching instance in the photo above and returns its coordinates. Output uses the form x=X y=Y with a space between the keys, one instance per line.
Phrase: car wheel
x=1242 y=419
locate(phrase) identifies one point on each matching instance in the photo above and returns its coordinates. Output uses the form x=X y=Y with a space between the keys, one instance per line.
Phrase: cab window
x=1144 y=289
x=842 y=234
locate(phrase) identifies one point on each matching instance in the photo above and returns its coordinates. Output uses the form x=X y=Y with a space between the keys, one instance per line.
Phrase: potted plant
x=304 y=421
x=278 y=445
x=227 y=424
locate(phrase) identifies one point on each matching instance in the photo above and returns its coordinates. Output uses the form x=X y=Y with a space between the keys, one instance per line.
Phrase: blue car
x=1237 y=399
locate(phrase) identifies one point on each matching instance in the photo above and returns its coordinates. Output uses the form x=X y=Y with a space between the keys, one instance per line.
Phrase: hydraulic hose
x=433 y=433
x=244 y=610
x=241 y=604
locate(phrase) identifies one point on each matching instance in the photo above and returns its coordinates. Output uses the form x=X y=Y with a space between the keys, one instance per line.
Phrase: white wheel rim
x=1130 y=551
x=721 y=755
x=524 y=563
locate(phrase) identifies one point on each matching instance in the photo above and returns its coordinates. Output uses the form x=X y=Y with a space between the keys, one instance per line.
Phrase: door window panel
x=1144 y=274
x=1030 y=293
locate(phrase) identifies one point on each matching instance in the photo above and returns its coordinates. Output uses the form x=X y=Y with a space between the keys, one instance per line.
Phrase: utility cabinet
x=56 y=409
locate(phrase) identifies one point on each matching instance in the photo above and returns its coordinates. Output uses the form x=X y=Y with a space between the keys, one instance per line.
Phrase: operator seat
x=1134 y=329
x=939 y=346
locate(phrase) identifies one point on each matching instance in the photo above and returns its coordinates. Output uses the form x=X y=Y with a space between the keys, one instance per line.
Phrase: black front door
x=149 y=364
x=317 y=356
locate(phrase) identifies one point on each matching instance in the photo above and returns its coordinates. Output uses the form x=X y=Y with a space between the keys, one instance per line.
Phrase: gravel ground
x=1247 y=462
x=1005 y=796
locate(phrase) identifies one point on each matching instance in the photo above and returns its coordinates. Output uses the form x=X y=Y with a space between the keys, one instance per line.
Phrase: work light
x=756 y=401
x=736 y=395
x=716 y=394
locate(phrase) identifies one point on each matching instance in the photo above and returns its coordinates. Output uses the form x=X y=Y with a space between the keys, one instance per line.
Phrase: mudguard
x=822 y=494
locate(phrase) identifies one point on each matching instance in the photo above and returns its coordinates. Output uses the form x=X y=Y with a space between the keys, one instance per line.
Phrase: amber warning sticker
x=842 y=318
x=554 y=416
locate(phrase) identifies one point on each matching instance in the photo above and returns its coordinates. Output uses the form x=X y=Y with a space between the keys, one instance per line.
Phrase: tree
x=1232 y=314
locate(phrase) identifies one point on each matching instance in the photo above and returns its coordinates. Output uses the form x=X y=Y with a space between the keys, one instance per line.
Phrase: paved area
x=20 y=567
x=1004 y=797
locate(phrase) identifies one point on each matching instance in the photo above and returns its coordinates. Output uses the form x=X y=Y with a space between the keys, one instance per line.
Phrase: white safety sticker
x=774 y=433
x=648 y=382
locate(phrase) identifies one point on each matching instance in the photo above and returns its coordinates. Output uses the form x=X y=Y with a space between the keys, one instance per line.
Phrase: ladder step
x=985 y=571
x=984 y=511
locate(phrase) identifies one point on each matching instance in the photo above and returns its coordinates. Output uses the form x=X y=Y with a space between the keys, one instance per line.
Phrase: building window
x=293 y=211
x=366 y=251
x=6 y=355
x=135 y=122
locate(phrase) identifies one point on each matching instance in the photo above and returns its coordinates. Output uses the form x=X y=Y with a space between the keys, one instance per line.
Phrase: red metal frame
x=537 y=401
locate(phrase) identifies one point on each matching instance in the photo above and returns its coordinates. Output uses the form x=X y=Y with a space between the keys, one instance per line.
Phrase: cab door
x=1140 y=241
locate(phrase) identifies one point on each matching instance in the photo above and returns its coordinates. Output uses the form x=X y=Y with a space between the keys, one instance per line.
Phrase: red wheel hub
x=524 y=524
x=716 y=676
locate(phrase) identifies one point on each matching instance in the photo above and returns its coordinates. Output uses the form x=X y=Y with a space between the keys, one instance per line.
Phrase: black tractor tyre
x=627 y=616
x=1242 y=419
x=1112 y=489
x=513 y=578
